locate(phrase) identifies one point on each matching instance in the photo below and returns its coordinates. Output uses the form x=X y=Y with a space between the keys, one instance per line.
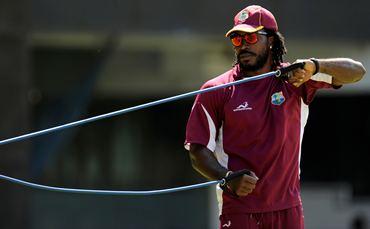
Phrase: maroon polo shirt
x=257 y=126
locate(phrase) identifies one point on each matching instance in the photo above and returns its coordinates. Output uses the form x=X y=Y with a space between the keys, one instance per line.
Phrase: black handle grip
x=285 y=70
x=238 y=174
x=225 y=180
x=234 y=175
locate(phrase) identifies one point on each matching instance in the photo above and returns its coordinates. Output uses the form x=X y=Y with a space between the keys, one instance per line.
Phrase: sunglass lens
x=251 y=38
x=237 y=40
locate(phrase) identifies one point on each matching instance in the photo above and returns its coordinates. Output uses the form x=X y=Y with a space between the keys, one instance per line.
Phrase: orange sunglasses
x=250 y=38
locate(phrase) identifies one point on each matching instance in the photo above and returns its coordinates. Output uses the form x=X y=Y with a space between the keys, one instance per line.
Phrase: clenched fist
x=243 y=185
x=300 y=76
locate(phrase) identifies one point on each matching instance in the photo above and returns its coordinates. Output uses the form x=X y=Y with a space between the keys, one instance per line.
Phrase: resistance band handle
x=283 y=71
x=225 y=180
x=228 y=178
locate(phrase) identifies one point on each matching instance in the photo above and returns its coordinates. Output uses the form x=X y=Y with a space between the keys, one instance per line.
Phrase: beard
x=260 y=60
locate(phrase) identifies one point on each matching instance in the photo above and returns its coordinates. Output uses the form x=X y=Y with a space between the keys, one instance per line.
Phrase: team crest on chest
x=278 y=98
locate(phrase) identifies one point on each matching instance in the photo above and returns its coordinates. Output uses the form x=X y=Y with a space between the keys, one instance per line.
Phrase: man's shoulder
x=221 y=79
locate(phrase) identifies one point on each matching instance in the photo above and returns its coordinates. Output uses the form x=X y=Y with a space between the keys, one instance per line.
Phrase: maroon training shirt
x=257 y=126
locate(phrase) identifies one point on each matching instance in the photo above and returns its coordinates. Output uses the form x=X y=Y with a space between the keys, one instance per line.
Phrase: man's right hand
x=243 y=185
x=204 y=161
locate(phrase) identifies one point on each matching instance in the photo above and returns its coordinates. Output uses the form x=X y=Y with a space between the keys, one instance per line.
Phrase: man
x=259 y=125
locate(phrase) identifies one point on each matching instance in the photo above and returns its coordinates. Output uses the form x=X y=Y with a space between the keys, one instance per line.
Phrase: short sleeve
x=205 y=119
x=318 y=81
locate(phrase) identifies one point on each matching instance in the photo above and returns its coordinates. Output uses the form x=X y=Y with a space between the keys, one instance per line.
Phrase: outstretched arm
x=343 y=71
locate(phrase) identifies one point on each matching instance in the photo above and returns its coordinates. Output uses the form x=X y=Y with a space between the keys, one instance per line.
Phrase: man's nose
x=245 y=45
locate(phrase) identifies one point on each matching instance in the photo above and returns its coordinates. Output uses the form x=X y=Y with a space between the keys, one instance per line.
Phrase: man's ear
x=271 y=41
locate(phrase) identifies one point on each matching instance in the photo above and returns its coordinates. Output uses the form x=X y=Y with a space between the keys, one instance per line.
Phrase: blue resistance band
x=277 y=73
x=130 y=109
x=107 y=192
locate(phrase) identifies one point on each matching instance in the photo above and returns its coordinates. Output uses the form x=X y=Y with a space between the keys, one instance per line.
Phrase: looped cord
x=123 y=111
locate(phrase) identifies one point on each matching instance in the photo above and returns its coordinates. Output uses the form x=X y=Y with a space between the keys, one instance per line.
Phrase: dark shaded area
x=171 y=211
x=336 y=142
x=359 y=222
x=15 y=109
x=297 y=18
x=141 y=150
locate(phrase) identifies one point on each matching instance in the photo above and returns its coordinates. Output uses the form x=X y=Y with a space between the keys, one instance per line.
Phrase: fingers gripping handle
x=285 y=70
x=225 y=180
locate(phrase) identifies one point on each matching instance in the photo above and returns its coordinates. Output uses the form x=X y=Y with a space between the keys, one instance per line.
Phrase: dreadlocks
x=278 y=48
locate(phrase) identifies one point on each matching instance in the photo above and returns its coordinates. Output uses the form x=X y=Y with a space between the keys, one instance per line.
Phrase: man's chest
x=255 y=107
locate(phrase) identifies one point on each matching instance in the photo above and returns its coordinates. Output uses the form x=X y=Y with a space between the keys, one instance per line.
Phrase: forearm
x=203 y=161
x=343 y=70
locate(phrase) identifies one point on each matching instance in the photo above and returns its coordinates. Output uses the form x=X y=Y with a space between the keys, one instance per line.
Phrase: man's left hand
x=300 y=76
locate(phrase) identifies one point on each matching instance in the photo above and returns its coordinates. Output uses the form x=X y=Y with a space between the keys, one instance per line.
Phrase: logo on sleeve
x=243 y=107
x=278 y=98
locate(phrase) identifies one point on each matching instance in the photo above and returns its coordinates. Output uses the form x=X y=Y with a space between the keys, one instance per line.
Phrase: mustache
x=246 y=52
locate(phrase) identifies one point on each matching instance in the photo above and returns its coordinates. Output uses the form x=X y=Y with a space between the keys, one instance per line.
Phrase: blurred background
x=62 y=61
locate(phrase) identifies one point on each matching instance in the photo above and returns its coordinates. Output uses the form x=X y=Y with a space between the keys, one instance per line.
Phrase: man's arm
x=203 y=160
x=343 y=71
